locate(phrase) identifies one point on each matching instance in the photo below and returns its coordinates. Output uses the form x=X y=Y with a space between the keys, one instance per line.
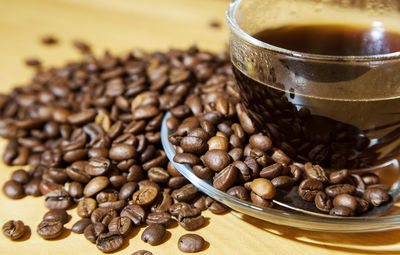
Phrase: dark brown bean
x=122 y=152
x=191 y=243
x=97 y=166
x=142 y=252
x=13 y=189
x=345 y=200
x=57 y=199
x=135 y=213
x=315 y=172
x=186 y=158
x=95 y=185
x=50 y=229
x=14 y=230
x=154 y=234
x=109 y=242
x=86 y=207
x=342 y=211
x=376 y=196
x=20 y=176
x=80 y=225
x=224 y=179
x=338 y=189
x=57 y=214
x=216 y=160
x=309 y=188
x=127 y=190
x=260 y=141
x=145 y=196
x=271 y=171
x=120 y=225
x=163 y=218
x=32 y=188
x=338 y=176
x=323 y=202
x=103 y=215
x=185 y=194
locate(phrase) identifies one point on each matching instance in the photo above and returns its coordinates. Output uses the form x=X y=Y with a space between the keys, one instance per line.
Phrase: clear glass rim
x=277 y=216
x=237 y=30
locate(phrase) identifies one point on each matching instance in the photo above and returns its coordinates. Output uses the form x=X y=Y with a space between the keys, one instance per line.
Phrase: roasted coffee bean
x=142 y=252
x=163 y=218
x=108 y=195
x=103 y=215
x=57 y=175
x=145 y=112
x=86 y=207
x=323 y=202
x=135 y=213
x=95 y=185
x=98 y=153
x=238 y=192
x=224 y=179
x=370 y=179
x=90 y=234
x=282 y=181
x=200 y=203
x=186 y=158
x=57 y=214
x=338 y=189
x=193 y=144
x=80 y=225
x=76 y=171
x=122 y=152
x=202 y=172
x=280 y=157
x=342 y=211
x=109 y=242
x=13 y=189
x=215 y=207
x=50 y=229
x=345 y=200
x=97 y=166
x=158 y=174
x=186 y=193
x=14 y=230
x=99 y=228
x=191 y=243
x=263 y=188
x=315 y=172
x=271 y=171
x=358 y=182
x=32 y=188
x=177 y=182
x=338 y=176
x=116 y=205
x=57 y=199
x=216 y=160
x=260 y=141
x=145 y=196
x=376 y=196
x=144 y=183
x=236 y=154
x=309 y=188
x=83 y=117
x=191 y=223
x=154 y=234
x=182 y=209
x=75 y=189
x=245 y=121
x=256 y=199
x=120 y=225
x=362 y=205
x=20 y=176
x=218 y=143
x=127 y=190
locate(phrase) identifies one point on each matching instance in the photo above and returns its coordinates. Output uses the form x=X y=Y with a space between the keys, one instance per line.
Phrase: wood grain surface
x=120 y=25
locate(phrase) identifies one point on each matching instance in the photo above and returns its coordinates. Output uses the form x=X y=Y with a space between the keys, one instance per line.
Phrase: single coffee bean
x=20 y=176
x=191 y=223
x=83 y=117
x=260 y=141
x=271 y=171
x=200 y=202
x=154 y=234
x=186 y=193
x=193 y=144
x=80 y=225
x=216 y=160
x=342 y=211
x=158 y=174
x=358 y=182
x=32 y=188
x=142 y=252
x=263 y=188
x=145 y=196
x=76 y=171
x=90 y=234
x=376 y=196
x=13 y=189
x=218 y=143
x=282 y=181
x=163 y=203
x=256 y=199
x=57 y=214
x=370 y=179
x=109 y=242
x=215 y=207
x=177 y=182
x=309 y=188
x=108 y=195
x=120 y=152
x=144 y=183
x=75 y=190
x=345 y=200
x=97 y=166
x=95 y=185
x=202 y=172
x=225 y=178
x=57 y=199
x=315 y=172
x=238 y=192
x=127 y=190
x=145 y=112
x=103 y=215
x=191 y=243
x=50 y=229
x=86 y=207
x=323 y=202
x=338 y=176
x=13 y=230
x=163 y=218
x=362 y=205
x=135 y=213
x=186 y=158
x=121 y=225
x=280 y=157
x=337 y=189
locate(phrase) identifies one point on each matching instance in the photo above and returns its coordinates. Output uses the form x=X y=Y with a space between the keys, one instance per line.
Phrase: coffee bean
x=86 y=207
x=358 y=182
x=14 y=230
x=376 y=196
x=202 y=172
x=95 y=185
x=145 y=196
x=120 y=225
x=370 y=179
x=215 y=207
x=158 y=174
x=109 y=242
x=32 y=188
x=185 y=194
x=342 y=211
x=108 y=195
x=245 y=121
x=263 y=188
x=238 y=192
x=186 y=158
x=75 y=190
x=362 y=205
x=135 y=213
x=127 y=190
x=200 y=203
x=97 y=166
x=13 y=189
x=50 y=229
x=191 y=243
x=177 y=182
x=260 y=141
x=218 y=143
x=345 y=200
x=338 y=189
x=142 y=252
x=103 y=215
x=80 y=225
x=122 y=152
x=225 y=178
x=216 y=160
x=163 y=218
x=82 y=117
x=58 y=215
x=182 y=209
x=338 y=176
x=309 y=188
x=271 y=171
x=77 y=172
x=154 y=234
x=20 y=176
x=90 y=234
x=315 y=172
x=57 y=199
x=323 y=202
x=280 y=157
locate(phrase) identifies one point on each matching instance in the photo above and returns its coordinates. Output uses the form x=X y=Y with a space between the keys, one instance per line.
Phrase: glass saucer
x=276 y=215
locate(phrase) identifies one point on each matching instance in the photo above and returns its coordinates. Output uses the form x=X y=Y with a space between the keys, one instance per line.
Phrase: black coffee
x=338 y=40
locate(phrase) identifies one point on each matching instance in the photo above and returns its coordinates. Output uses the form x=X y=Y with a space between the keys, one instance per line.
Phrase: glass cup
x=337 y=111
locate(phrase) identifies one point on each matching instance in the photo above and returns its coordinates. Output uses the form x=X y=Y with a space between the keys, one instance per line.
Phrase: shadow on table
x=370 y=242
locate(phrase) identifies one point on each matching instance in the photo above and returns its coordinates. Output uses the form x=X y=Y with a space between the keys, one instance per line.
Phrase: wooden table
x=121 y=25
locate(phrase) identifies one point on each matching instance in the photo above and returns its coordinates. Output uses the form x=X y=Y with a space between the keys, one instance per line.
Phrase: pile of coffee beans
x=90 y=132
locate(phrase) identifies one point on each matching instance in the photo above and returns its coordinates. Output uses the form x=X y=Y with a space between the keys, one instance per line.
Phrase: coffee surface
x=337 y=40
